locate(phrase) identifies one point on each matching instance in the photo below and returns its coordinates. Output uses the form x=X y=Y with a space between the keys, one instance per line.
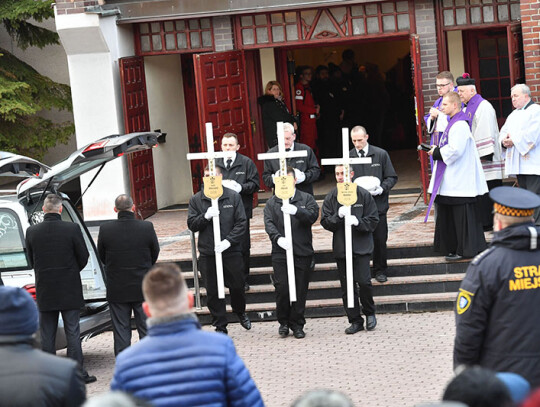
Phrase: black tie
x=229 y=162
x=362 y=154
x=287 y=149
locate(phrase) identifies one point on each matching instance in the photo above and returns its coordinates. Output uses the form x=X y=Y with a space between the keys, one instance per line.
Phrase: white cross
x=346 y=161
x=282 y=156
x=211 y=156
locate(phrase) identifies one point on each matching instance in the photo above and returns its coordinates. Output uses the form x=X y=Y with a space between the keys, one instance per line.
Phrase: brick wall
x=73 y=6
x=530 y=25
x=223 y=33
x=424 y=11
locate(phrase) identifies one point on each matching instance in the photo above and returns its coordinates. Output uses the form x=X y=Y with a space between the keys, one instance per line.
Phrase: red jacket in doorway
x=305 y=105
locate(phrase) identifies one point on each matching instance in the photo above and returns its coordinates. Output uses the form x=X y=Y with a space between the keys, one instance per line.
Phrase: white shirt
x=232 y=158
x=365 y=150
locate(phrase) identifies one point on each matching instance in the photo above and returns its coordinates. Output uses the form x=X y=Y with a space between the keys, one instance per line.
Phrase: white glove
x=351 y=220
x=368 y=182
x=222 y=246
x=290 y=209
x=211 y=213
x=284 y=243
x=299 y=175
x=342 y=211
x=376 y=191
x=232 y=184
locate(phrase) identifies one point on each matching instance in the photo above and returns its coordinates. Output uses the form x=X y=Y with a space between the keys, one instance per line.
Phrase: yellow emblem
x=212 y=186
x=284 y=186
x=464 y=300
x=346 y=193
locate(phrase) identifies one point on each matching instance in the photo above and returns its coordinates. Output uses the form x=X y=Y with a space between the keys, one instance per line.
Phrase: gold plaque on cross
x=346 y=193
x=284 y=186
x=212 y=186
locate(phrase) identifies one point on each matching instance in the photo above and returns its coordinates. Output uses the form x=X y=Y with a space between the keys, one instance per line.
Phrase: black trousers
x=289 y=314
x=121 y=323
x=485 y=205
x=380 y=236
x=48 y=324
x=234 y=279
x=531 y=183
x=362 y=278
x=246 y=250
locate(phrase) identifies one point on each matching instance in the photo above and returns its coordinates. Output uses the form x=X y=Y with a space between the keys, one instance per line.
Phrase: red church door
x=136 y=118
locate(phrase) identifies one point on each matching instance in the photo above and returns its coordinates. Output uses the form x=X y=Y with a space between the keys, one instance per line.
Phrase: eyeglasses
x=442 y=85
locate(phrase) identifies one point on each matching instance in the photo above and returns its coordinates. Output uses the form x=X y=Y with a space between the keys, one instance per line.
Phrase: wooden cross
x=282 y=156
x=211 y=156
x=346 y=161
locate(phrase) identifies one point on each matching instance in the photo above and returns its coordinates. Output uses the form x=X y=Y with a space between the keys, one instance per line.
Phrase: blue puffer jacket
x=178 y=364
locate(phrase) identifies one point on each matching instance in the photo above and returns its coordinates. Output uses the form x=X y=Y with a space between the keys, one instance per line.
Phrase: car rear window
x=12 y=255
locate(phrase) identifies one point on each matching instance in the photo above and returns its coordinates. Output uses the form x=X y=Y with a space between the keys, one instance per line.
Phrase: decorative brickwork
x=530 y=25
x=223 y=33
x=73 y=7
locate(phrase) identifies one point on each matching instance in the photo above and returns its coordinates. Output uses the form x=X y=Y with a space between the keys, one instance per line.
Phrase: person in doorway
x=498 y=305
x=363 y=220
x=128 y=247
x=381 y=167
x=57 y=252
x=232 y=222
x=482 y=120
x=274 y=110
x=240 y=174
x=178 y=364
x=458 y=232
x=306 y=169
x=304 y=211
x=436 y=121
x=520 y=136
x=307 y=108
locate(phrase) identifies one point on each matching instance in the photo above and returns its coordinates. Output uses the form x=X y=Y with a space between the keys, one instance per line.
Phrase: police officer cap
x=465 y=79
x=514 y=201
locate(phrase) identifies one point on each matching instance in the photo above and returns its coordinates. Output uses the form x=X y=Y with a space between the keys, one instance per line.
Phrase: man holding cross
x=303 y=212
x=363 y=219
x=232 y=224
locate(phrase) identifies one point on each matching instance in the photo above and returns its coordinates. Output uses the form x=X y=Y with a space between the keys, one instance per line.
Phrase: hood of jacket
x=521 y=236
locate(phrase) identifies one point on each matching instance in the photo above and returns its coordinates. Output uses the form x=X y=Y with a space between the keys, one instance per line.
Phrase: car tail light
x=95 y=146
x=31 y=289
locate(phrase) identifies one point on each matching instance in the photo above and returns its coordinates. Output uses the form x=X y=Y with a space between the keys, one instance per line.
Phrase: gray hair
x=123 y=202
x=523 y=88
x=52 y=203
x=323 y=398
x=288 y=127
x=358 y=129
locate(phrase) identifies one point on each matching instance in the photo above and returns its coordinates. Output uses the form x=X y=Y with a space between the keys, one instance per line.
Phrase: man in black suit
x=128 y=247
x=57 y=252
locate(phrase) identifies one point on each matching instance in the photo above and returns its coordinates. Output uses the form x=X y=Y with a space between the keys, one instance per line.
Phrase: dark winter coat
x=307 y=214
x=307 y=165
x=30 y=377
x=498 y=306
x=57 y=252
x=362 y=234
x=273 y=111
x=127 y=247
x=243 y=171
x=232 y=221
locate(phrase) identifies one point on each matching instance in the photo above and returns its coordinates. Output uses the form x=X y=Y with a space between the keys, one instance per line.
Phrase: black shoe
x=299 y=333
x=283 y=330
x=354 y=328
x=88 y=379
x=381 y=277
x=222 y=329
x=371 y=322
x=244 y=321
x=453 y=257
x=246 y=286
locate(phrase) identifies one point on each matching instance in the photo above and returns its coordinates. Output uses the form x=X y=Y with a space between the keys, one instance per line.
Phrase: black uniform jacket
x=273 y=111
x=128 y=247
x=307 y=165
x=307 y=214
x=243 y=171
x=232 y=221
x=362 y=235
x=380 y=167
x=30 y=377
x=498 y=306
x=57 y=252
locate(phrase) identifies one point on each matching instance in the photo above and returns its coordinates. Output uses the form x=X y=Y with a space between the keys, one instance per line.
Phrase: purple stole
x=472 y=106
x=441 y=166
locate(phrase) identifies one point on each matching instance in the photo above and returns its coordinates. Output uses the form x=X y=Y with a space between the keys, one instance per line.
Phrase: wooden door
x=416 y=73
x=515 y=51
x=136 y=118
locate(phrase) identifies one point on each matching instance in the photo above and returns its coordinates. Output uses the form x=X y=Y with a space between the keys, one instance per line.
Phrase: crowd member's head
x=288 y=134
x=466 y=87
x=451 y=104
x=478 y=387
x=18 y=312
x=521 y=95
x=323 y=398
x=322 y=73
x=207 y=171
x=518 y=387
x=165 y=292
x=533 y=400
x=52 y=204
x=124 y=203
x=339 y=172
x=304 y=73
x=359 y=137
x=273 y=88
x=229 y=142
x=512 y=206
x=116 y=399
x=445 y=82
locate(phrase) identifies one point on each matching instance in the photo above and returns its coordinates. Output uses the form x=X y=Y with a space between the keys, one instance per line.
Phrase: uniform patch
x=464 y=301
